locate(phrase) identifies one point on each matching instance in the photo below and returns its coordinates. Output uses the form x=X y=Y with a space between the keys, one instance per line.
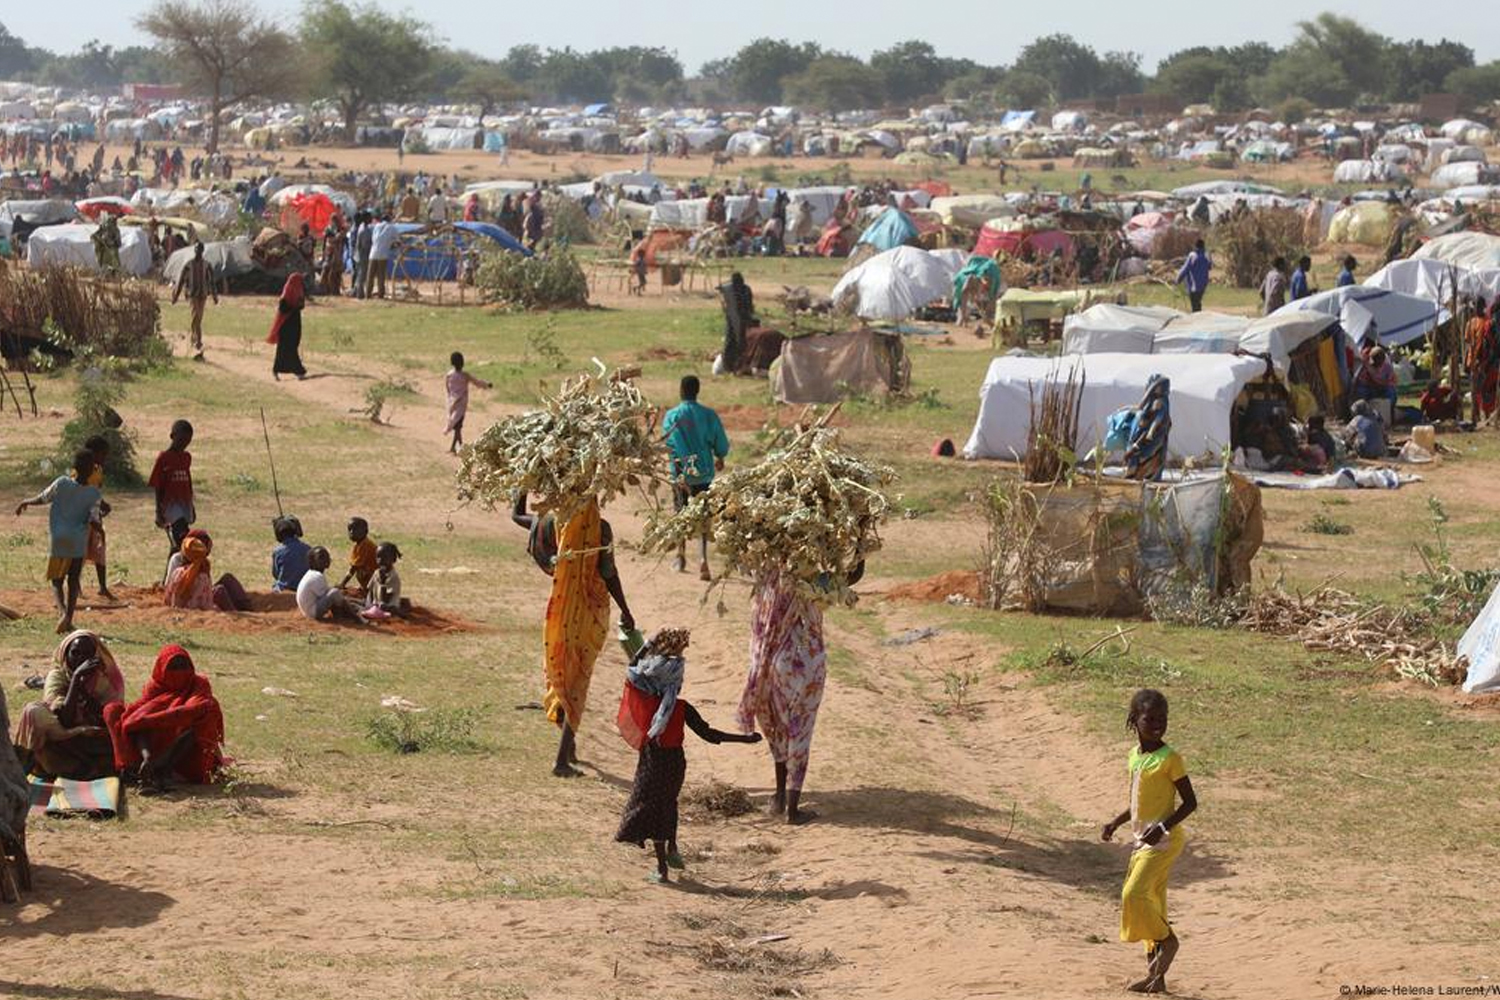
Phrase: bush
x=99 y=392
x=444 y=730
x=567 y=222
x=547 y=281
x=1293 y=110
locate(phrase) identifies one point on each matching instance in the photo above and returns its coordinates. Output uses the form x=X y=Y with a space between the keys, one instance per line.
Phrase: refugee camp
x=794 y=502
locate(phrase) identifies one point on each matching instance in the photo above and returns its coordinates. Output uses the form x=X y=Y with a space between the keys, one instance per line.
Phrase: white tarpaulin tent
x=692 y=213
x=73 y=246
x=1452 y=175
x=1204 y=388
x=895 y=284
x=971 y=210
x=1365 y=172
x=36 y=213
x=1433 y=280
x=1399 y=318
x=1476 y=251
x=1112 y=329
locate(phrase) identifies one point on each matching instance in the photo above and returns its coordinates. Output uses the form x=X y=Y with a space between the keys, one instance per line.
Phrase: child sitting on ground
x=651 y=720
x=385 y=588
x=190 y=582
x=361 y=556
x=316 y=598
x=289 y=557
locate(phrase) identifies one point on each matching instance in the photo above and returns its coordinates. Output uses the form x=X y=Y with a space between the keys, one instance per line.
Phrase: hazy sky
x=984 y=30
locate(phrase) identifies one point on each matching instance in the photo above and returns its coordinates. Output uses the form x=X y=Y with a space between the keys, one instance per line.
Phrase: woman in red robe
x=175 y=729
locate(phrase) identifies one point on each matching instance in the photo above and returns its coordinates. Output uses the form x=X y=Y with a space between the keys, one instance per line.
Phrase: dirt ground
x=923 y=877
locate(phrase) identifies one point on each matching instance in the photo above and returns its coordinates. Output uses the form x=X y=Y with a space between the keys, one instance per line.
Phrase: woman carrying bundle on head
x=579 y=556
x=652 y=719
x=788 y=668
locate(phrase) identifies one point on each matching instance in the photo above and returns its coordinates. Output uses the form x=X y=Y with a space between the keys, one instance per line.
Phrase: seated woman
x=1439 y=402
x=63 y=735
x=190 y=579
x=1376 y=378
x=175 y=729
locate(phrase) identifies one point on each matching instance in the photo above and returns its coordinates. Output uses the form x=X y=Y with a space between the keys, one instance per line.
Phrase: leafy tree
x=1119 y=73
x=1357 y=51
x=1071 y=68
x=1303 y=71
x=16 y=60
x=523 y=64
x=486 y=84
x=365 y=56
x=756 y=72
x=225 y=50
x=834 y=83
x=1192 y=75
x=975 y=85
x=1478 y=83
x=1023 y=90
x=908 y=71
x=1415 y=68
x=569 y=75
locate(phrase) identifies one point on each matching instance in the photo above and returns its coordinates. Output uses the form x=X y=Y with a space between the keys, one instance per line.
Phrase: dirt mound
x=269 y=612
x=938 y=588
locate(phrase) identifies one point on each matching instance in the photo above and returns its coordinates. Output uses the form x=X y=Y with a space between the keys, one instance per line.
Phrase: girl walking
x=651 y=719
x=1158 y=778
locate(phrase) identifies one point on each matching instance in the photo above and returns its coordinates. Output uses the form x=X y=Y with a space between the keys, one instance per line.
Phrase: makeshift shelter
x=1365 y=172
x=93 y=208
x=971 y=211
x=1017 y=238
x=1432 y=279
x=1399 y=319
x=1110 y=547
x=1466 y=174
x=293 y=194
x=33 y=214
x=822 y=367
x=1367 y=223
x=72 y=245
x=1204 y=389
x=1476 y=251
x=1144 y=231
x=748 y=144
x=976 y=269
x=235 y=270
x=893 y=285
x=893 y=228
x=438 y=253
x=313 y=208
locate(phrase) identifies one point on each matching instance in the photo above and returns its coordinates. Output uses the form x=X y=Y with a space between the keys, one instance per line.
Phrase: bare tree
x=227 y=50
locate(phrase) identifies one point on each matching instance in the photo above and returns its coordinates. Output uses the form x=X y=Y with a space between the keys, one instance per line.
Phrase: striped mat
x=97 y=799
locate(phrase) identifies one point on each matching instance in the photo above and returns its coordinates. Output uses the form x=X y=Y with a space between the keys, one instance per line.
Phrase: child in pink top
x=458 y=382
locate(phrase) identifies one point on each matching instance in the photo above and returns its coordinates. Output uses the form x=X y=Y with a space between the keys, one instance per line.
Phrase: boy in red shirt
x=172 y=479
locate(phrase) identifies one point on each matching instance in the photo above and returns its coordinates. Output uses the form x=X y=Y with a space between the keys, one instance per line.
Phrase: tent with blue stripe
x=435 y=259
x=1399 y=318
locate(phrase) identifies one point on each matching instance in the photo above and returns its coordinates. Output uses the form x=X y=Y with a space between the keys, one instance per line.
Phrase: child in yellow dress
x=1158 y=778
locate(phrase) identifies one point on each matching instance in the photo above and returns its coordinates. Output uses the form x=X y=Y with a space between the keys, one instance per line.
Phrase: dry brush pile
x=110 y=316
x=1245 y=244
x=811 y=511
x=595 y=439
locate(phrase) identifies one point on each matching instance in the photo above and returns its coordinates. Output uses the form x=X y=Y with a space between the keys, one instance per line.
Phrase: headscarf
x=171 y=701
x=293 y=297
x=1146 y=455
x=659 y=677
x=196 y=546
x=111 y=669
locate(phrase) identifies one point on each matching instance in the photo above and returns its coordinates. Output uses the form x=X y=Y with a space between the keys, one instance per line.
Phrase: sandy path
x=954 y=858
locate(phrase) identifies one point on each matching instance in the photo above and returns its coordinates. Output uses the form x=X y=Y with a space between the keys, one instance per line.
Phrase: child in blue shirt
x=289 y=558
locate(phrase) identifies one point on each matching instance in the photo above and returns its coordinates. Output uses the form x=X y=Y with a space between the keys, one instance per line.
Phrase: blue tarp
x=437 y=263
x=892 y=229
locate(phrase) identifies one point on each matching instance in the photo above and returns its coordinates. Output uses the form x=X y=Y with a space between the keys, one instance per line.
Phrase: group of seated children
x=372 y=568
x=1272 y=443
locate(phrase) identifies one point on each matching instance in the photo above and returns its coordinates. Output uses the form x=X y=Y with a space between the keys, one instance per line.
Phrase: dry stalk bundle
x=1338 y=622
x=810 y=511
x=1052 y=441
x=595 y=439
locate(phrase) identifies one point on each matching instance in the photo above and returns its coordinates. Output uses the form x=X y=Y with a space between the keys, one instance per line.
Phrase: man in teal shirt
x=696 y=438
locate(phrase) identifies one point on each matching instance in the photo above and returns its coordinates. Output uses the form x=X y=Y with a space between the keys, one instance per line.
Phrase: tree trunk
x=215 y=107
x=351 y=118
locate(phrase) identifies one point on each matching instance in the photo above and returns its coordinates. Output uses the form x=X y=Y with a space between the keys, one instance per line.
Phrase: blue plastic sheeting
x=436 y=263
x=893 y=229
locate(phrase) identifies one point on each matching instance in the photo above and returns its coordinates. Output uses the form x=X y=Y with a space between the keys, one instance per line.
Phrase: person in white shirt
x=316 y=597
x=382 y=239
x=437 y=208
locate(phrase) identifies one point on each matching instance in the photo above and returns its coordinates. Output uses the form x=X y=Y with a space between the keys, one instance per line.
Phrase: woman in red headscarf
x=175 y=729
x=286 y=331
